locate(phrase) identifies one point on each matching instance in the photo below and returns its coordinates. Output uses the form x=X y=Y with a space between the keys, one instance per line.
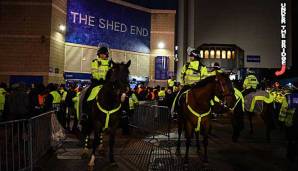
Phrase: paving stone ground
x=139 y=151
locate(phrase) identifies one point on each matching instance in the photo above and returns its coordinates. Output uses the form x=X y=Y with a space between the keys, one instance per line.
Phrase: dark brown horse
x=198 y=100
x=107 y=107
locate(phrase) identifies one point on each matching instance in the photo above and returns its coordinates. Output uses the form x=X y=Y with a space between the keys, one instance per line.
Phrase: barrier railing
x=24 y=142
x=152 y=118
x=15 y=145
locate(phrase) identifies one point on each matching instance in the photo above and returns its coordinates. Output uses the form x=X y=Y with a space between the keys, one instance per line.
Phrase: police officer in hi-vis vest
x=192 y=72
x=99 y=69
x=250 y=83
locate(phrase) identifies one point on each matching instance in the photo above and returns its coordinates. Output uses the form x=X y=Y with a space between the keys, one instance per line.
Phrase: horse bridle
x=225 y=94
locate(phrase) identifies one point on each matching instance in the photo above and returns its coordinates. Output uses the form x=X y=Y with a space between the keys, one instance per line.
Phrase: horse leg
x=96 y=141
x=236 y=124
x=205 y=142
x=188 y=132
x=111 y=146
x=84 y=153
x=178 y=151
x=86 y=130
x=197 y=134
x=250 y=122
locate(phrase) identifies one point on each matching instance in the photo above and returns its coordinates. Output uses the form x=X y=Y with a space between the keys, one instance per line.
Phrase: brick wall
x=24 y=37
x=162 y=30
x=57 y=45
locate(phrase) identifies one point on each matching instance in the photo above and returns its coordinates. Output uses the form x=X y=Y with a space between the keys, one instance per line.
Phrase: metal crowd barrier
x=23 y=142
x=152 y=118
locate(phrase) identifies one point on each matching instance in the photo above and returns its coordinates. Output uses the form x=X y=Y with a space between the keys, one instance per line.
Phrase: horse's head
x=118 y=75
x=224 y=89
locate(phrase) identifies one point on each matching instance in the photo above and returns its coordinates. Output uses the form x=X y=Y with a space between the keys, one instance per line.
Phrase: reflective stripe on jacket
x=192 y=73
x=250 y=81
x=56 y=97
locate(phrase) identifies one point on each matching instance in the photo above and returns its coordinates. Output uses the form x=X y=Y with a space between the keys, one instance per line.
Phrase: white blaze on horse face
x=123 y=97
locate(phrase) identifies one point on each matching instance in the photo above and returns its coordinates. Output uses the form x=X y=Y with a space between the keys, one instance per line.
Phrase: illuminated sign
x=283 y=35
x=96 y=21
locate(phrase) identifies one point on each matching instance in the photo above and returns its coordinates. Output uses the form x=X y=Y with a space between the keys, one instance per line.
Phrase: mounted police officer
x=250 y=83
x=192 y=72
x=99 y=69
x=100 y=66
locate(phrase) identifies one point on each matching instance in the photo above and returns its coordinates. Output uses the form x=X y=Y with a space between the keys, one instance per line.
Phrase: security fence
x=23 y=142
x=152 y=118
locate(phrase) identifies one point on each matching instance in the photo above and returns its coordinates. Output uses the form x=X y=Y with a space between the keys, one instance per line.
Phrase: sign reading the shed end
x=96 y=21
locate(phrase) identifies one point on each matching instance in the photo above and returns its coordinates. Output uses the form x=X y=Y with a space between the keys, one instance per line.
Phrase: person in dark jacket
x=18 y=102
x=35 y=107
x=70 y=109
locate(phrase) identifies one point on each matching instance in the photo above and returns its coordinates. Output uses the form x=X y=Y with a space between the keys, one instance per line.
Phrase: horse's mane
x=109 y=73
x=204 y=82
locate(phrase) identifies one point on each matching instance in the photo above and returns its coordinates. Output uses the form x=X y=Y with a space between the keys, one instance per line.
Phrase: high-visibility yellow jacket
x=63 y=94
x=76 y=101
x=171 y=83
x=214 y=72
x=193 y=72
x=162 y=94
x=99 y=68
x=56 y=97
x=2 y=98
x=250 y=81
x=133 y=101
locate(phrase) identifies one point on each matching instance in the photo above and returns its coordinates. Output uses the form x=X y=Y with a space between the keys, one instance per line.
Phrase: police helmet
x=103 y=50
x=216 y=65
x=250 y=72
x=193 y=53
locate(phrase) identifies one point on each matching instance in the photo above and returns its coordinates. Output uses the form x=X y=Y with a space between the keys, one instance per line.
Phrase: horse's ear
x=112 y=62
x=128 y=63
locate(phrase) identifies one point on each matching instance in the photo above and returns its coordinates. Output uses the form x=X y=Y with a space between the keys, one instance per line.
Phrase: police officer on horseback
x=100 y=66
x=192 y=72
x=250 y=83
x=99 y=69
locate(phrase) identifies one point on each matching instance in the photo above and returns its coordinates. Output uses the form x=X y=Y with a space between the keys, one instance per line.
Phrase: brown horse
x=197 y=100
x=107 y=107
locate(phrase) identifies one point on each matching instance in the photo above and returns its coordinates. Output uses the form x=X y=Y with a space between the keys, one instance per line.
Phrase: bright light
x=62 y=27
x=176 y=47
x=161 y=45
x=232 y=77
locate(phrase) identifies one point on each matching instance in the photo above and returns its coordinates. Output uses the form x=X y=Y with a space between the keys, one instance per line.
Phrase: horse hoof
x=90 y=167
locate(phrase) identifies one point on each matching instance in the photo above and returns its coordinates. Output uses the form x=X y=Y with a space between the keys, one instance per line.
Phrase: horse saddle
x=94 y=93
x=254 y=101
